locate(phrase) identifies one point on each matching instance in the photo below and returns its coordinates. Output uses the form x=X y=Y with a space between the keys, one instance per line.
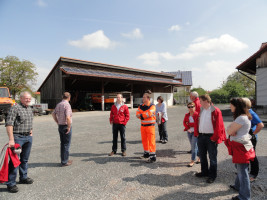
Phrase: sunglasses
x=190 y=106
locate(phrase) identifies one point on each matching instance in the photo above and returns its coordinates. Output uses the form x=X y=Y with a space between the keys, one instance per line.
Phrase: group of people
x=205 y=129
x=19 y=127
x=203 y=123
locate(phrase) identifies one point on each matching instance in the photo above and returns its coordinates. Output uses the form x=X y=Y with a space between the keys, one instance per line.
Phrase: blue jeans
x=205 y=145
x=242 y=182
x=65 y=140
x=26 y=144
x=193 y=142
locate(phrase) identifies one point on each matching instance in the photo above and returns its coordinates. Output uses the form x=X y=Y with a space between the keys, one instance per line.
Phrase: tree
x=17 y=75
x=248 y=84
x=235 y=89
x=199 y=90
x=219 y=96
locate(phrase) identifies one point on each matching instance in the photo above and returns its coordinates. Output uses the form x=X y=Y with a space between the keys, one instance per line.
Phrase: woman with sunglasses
x=240 y=147
x=189 y=121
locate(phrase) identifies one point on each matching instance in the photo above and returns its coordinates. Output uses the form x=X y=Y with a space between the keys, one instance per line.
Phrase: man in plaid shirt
x=63 y=117
x=19 y=130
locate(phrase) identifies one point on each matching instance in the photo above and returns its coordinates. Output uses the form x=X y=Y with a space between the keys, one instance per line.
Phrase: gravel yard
x=95 y=175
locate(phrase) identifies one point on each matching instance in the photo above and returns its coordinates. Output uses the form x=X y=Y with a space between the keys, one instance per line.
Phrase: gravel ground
x=94 y=175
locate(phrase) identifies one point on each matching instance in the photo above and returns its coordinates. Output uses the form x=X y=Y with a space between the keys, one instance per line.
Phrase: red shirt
x=120 y=116
x=197 y=105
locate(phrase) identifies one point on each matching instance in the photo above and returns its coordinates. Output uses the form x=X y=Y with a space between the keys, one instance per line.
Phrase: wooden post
x=131 y=95
x=102 y=97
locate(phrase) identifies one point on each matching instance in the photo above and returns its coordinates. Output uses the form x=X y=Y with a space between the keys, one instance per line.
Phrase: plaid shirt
x=20 y=117
x=62 y=110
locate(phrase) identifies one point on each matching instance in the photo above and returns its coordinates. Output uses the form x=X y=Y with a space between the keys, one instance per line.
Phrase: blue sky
x=208 y=37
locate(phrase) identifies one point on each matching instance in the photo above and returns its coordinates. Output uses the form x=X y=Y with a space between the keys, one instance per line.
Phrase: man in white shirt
x=210 y=132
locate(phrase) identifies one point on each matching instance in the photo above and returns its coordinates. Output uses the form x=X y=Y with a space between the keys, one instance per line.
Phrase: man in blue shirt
x=256 y=126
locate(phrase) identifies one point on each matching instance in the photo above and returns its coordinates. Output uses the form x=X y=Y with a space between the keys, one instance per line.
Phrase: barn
x=94 y=85
x=256 y=64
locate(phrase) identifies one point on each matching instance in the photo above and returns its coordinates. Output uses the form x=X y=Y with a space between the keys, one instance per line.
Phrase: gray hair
x=22 y=94
x=194 y=93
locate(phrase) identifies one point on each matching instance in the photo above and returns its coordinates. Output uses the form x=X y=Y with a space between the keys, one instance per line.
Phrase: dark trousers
x=65 y=140
x=26 y=144
x=254 y=165
x=163 y=131
x=205 y=145
x=116 y=128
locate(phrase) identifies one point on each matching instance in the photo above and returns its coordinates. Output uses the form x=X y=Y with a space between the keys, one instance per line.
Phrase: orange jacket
x=147 y=114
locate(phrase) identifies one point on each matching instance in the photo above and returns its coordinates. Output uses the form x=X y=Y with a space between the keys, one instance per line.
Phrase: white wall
x=261 y=86
x=168 y=98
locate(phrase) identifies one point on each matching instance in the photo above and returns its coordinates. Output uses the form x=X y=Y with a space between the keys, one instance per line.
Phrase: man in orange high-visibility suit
x=147 y=113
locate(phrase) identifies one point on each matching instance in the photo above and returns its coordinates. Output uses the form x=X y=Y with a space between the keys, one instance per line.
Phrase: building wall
x=51 y=92
x=261 y=86
x=168 y=98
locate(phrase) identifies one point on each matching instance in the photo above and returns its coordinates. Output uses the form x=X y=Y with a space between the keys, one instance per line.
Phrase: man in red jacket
x=195 y=99
x=119 y=116
x=210 y=131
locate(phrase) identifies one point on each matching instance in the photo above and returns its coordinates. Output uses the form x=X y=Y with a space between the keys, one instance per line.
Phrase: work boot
x=13 y=189
x=112 y=153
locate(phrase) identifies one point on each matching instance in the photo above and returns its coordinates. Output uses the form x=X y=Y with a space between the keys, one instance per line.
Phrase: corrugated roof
x=115 y=75
x=185 y=76
x=249 y=65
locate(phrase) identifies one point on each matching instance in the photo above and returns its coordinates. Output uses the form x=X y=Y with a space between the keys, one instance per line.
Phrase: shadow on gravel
x=127 y=142
x=167 y=180
x=190 y=195
x=34 y=165
x=87 y=154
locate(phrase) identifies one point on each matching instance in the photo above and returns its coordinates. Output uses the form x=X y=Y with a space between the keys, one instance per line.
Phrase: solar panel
x=97 y=73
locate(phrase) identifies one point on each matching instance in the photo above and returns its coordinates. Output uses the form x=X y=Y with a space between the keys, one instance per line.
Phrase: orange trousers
x=148 y=138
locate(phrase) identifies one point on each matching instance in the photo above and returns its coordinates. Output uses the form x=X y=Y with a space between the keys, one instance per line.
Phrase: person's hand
x=138 y=115
x=11 y=143
x=68 y=130
x=31 y=133
x=189 y=131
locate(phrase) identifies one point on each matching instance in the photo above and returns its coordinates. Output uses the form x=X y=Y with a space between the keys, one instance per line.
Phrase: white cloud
x=135 y=34
x=214 y=72
x=96 y=40
x=225 y=43
x=41 y=3
x=201 y=46
x=175 y=28
x=151 y=59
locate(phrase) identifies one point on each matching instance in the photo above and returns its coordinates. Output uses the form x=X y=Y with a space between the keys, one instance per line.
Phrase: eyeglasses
x=190 y=106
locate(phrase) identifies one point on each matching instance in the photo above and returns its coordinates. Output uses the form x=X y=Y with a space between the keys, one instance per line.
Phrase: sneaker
x=123 y=153
x=26 y=181
x=112 y=153
x=165 y=141
x=145 y=156
x=13 y=189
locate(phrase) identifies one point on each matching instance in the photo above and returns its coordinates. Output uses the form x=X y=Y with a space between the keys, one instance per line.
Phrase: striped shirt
x=62 y=111
x=20 y=117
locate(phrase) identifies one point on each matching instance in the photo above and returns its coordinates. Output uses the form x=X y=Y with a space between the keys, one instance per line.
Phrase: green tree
x=199 y=90
x=219 y=96
x=235 y=89
x=248 y=84
x=17 y=75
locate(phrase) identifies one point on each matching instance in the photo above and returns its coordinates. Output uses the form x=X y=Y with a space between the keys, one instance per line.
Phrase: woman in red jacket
x=189 y=122
x=240 y=146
